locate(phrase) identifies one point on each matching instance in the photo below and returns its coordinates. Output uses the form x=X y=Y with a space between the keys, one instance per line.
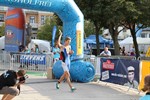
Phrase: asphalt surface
x=40 y=88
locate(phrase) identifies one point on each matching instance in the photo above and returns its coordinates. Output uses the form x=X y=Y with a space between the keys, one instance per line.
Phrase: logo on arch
x=9 y=34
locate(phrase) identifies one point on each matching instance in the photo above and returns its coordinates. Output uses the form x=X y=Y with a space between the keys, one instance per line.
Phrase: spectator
x=32 y=50
x=21 y=47
x=120 y=49
x=106 y=52
x=36 y=49
x=142 y=54
x=123 y=51
x=27 y=50
x=132 y=51
x=146 y=88
x=56 y=52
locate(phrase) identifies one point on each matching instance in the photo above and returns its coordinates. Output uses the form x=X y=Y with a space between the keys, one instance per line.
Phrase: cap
x=130 y=69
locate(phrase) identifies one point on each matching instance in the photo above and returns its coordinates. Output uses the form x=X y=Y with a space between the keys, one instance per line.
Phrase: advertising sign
x=145 y=70
x=120 y=71
x=79 y=39
x=33 y=59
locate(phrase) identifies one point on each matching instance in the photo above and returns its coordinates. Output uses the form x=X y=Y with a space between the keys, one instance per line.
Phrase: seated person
x=106 y=52
x=146 y=88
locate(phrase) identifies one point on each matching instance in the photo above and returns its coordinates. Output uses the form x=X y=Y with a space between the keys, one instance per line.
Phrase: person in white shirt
x=106 y=52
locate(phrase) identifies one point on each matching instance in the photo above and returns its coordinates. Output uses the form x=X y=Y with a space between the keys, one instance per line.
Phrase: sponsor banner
x=33 y=59
x=54 y=35
x=148 y=52
x=14 y=30
x=145 y=70
x=79 y=42
x=120 y=71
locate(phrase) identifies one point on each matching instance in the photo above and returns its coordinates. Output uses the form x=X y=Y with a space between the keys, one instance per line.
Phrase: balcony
x=34 y=25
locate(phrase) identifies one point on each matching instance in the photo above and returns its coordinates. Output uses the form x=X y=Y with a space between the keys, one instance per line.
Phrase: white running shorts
x=64 y=66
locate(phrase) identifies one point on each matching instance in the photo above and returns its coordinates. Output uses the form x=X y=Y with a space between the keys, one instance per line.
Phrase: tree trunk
x=97 y=40
x=114 y=35
x=135 y=42
x=116 y=44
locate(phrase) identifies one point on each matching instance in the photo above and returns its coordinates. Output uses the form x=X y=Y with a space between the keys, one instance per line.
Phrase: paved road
x=43 y=89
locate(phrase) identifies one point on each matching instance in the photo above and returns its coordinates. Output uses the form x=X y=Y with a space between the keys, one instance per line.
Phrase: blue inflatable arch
x=68 y=12
x=72 y=19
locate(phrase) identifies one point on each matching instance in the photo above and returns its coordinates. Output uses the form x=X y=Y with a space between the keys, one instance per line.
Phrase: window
x=149 y=35
x=2 y=17
x=43 y=18
x=33 y=38
x=143 y=35
x=32 y=19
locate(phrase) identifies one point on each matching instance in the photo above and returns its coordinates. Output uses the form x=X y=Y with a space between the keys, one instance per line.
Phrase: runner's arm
x=59 y=39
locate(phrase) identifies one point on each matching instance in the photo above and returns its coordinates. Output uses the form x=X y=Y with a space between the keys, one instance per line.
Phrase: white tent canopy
x=143 y=43
x=42 y=44
x=140 y=40
x=2 y=42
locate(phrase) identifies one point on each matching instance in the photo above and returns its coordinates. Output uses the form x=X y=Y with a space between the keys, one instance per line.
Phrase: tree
x=88 y=28
x=137 y=12
x=103 y=13
x=93 y=11
x=45 y=32
x=2 y=30
x=113 y=15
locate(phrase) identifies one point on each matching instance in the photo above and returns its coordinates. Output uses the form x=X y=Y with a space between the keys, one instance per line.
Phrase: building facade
x=34 y=18
x=122 y=35
x=145 y=33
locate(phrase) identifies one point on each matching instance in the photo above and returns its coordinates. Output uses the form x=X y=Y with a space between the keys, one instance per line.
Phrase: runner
x=66 y=62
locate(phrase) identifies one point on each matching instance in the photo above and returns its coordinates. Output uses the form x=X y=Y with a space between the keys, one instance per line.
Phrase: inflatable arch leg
x=72 y=19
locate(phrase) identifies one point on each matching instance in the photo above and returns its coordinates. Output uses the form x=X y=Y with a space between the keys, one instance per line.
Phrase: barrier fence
x=125 y=71
x=5 y=61
x=30 y=62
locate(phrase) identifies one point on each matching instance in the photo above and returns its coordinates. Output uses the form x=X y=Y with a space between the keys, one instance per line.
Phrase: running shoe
x=73 y=89
x=57 y=86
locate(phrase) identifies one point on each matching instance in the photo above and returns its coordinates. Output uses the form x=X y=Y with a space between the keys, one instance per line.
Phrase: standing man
x=106 y=52
x=8 y=83
x=66 y=62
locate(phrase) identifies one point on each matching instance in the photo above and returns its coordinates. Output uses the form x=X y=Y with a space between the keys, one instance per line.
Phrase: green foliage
x=114 y=13
x=45 y=32
x=88 y=28
x=58 y=20
x=92 y=10
x=2 y=30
